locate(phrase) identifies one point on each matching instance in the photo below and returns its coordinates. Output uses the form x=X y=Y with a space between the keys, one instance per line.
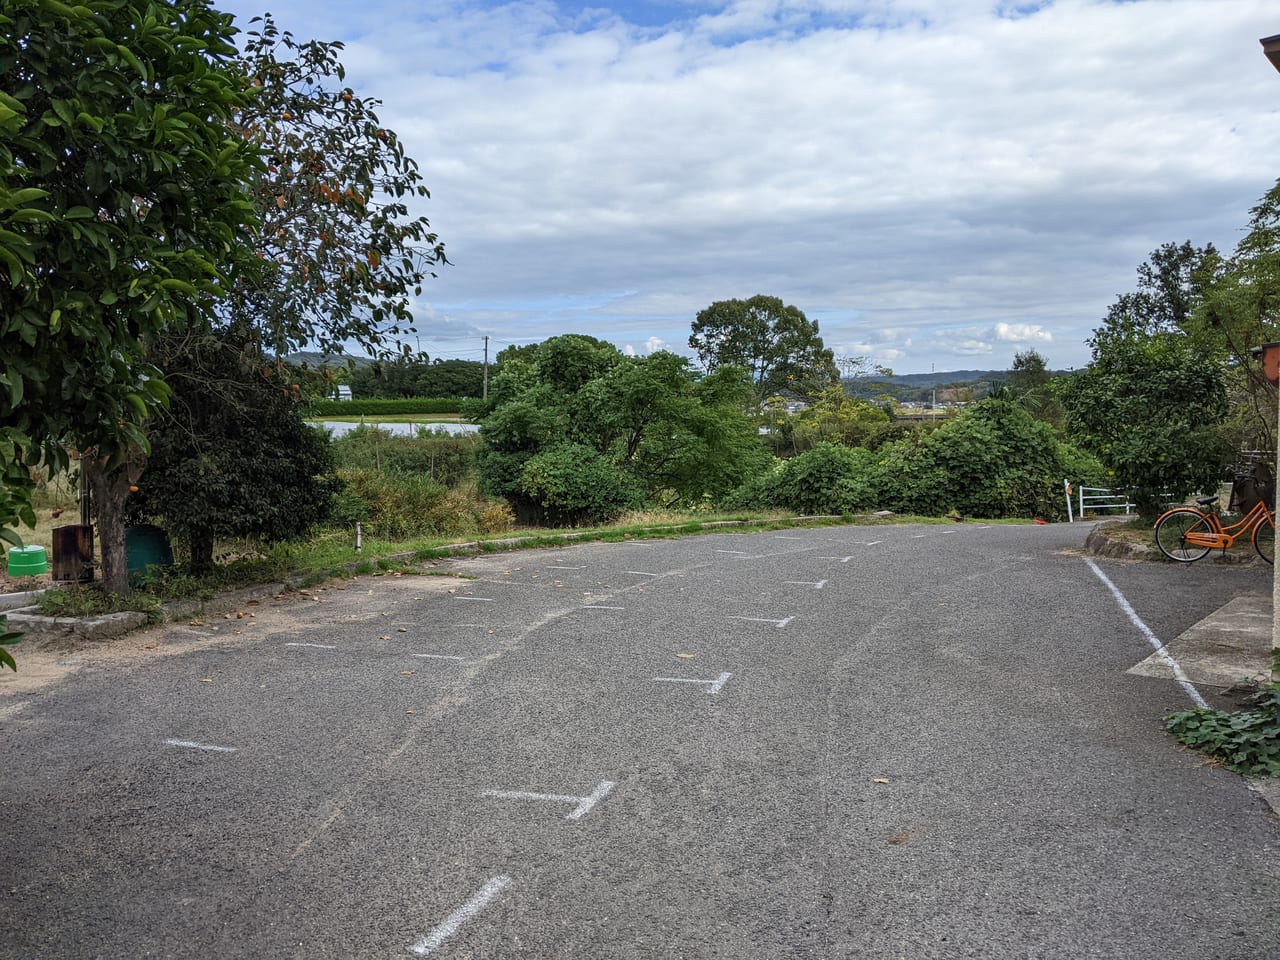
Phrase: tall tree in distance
x=1030 y=385
x=776 y=343
x=340 y=254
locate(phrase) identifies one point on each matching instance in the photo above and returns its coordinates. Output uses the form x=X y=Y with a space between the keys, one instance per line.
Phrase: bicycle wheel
x=1172 y=530
x=1264 y=538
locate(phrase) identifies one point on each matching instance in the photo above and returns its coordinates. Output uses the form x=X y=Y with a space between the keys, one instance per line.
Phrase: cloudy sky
x=939 y=183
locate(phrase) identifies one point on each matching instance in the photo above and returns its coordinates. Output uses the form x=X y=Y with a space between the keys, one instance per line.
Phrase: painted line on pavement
x=1161 y=650
x=434 y=940
x=778 y=623
x=713 y=686
x=597 y=606
x=816 y=584
x=317 y=646
x=641 y=573
x=841 y=559
x=478 y=599
x=192 y=745
x=582 y=805
x=435 y=656
x=564 y=568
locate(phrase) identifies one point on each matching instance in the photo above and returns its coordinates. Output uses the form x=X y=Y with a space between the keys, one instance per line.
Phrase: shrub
x=570 y=484
x=823 y=479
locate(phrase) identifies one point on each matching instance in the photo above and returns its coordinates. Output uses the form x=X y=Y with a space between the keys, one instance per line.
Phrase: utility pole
x=484 y=395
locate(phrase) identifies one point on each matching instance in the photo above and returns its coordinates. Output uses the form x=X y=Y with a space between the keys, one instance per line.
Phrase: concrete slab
x=1230 y=645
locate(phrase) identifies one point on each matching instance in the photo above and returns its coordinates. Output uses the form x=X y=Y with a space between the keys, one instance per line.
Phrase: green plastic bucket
x=29 y=561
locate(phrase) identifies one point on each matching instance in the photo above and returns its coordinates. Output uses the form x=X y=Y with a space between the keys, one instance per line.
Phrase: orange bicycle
x=1186 y=534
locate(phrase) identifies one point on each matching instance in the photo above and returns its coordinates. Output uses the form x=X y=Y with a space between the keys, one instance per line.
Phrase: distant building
x=344 y=392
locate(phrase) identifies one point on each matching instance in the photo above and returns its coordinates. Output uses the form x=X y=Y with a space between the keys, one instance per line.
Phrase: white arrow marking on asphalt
x=713 y=686
x=192 y=745
x=483 y=897
x=582 y=806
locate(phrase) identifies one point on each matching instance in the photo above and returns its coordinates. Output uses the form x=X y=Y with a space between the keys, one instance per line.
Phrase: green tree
x=1150 y=407
x=122 y=208
x=835 y=417
x=232 y=456
x=670 y=434
x=337 y=258
x=340 y=255
x=777 y=343
x=1031 y=385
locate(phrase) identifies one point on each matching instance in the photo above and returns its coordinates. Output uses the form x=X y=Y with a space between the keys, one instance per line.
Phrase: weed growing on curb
x=1246 y=741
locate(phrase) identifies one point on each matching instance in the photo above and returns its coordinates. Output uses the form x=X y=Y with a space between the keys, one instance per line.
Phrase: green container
x=145 y=546
x=30 y=561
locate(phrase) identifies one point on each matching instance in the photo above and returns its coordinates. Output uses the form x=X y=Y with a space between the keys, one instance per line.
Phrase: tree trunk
x=110 y=489
x=201 y=542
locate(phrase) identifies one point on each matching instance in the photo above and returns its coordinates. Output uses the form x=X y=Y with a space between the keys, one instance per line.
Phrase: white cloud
x=907 y=166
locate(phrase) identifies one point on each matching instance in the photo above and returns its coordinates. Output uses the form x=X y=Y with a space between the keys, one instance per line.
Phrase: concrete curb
x=1100 y=544
x=63 y=634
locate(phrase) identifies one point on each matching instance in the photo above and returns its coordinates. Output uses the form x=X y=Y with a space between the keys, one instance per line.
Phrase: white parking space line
x=713 y=686
x=192 y=745
x=738 y=552
x=564 y=568
x=434 y=940
x=841 y=559
x=478 y=599
x=1161 y=650
x=778 y=623
x=641 y=573
x=816 y=584
x=597 y=606
x=582 y=805
x=317 y=646
x=435 y=656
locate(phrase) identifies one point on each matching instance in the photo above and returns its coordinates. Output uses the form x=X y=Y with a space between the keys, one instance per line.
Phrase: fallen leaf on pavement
x=880 y=780
x=407 y=673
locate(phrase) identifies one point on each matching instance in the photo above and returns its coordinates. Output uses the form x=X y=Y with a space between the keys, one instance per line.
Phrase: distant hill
x=314 y=359
x=944 y=386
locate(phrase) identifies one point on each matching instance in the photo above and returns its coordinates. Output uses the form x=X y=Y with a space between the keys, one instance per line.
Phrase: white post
x=1067 y=486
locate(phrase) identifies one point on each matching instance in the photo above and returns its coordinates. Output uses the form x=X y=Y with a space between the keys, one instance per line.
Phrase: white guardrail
x=1093 y=498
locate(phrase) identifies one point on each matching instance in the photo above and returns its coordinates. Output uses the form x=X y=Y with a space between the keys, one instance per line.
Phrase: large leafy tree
x=1149 y=407
x=337 y=258
x=776 y=342
x=122 y=208
x=340 y=253
x=579 y=432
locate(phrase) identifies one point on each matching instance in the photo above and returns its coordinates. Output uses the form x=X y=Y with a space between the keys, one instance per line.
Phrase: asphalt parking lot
x=861 y=742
